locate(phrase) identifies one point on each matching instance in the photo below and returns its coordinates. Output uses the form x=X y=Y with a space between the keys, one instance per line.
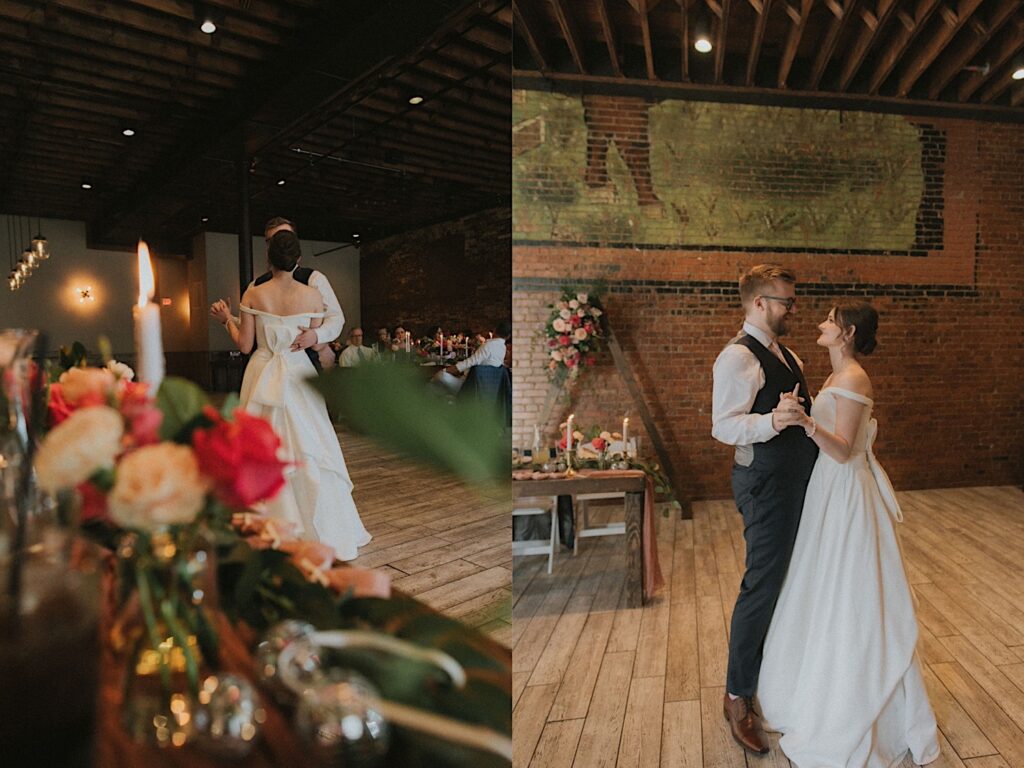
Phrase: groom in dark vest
x=315 y=341
x=773 y=464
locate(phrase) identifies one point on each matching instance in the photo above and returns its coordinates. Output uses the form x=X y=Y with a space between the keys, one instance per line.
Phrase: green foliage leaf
x=231 y=402
x=393 y=405
x=182 y=404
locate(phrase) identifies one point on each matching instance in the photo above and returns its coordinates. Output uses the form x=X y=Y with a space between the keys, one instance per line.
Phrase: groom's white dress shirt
x=491 y=352
x=738 y=377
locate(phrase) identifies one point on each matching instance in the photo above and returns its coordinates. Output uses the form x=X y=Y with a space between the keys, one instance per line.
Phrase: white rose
x=120 y=370
x=556 y=355
x=580 y=313
x=77 y=383
x=606 y=435
x=559 y=325
x=596 y=312
x=158 y=485
x=582 y=298
x=565 y=314
x=86 y=441
x=580 y=334
x=573 y=304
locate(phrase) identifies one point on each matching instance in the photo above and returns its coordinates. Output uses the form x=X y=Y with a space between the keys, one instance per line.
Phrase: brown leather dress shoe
x=745 y=724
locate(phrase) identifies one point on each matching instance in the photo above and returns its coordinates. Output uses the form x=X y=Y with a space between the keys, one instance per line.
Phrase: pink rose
x=86 y=386
x=240 y=457
x=141 y=413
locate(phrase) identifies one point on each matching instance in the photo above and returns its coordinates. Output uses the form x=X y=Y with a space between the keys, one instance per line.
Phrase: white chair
x=537 y=505
x=580 y=523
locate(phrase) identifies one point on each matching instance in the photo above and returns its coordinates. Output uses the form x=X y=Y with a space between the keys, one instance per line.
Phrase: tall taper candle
x=149 y=348
x=568 y=432
x=625 y=436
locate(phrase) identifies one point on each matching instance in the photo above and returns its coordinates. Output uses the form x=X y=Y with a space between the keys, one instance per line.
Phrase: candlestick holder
x=570 y=470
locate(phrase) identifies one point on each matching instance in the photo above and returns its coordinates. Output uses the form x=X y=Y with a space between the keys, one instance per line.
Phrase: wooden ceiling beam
x=1003 y=50
x=104 y=34
x=1017 y=95
x=901 y=39
x=756 y=41
x=528 y=27
x=232 y=20
x=865 y=40
x=570 y=33
x=796 y=31
x=935 y=46
x=141 y=20
x=720 y=41
x=608 y=32
x=645 y=34
x=998 y=81
x=966 y=47
x=841 y=16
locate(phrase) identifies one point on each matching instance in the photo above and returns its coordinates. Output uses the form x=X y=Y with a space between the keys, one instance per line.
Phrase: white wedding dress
x=840 y=679
x=318 y=494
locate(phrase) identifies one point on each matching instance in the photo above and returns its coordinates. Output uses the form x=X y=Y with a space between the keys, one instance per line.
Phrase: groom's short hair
x=759 y=278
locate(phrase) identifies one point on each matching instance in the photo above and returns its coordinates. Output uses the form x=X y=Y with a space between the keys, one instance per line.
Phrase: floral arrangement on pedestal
x=574 y=333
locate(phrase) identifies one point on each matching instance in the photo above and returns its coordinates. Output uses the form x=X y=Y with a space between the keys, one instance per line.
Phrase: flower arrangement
x=574 y=333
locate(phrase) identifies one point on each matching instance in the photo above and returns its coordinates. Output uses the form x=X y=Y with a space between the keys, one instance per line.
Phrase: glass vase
x=163 y=633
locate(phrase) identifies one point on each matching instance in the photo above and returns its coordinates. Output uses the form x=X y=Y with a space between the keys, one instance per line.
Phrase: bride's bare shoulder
x=855 y=379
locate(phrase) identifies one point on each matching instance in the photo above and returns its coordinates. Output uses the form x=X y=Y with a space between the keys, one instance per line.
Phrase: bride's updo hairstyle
x=284 y=251
x=865 y=318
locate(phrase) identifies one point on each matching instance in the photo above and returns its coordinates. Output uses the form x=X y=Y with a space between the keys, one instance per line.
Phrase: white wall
x=341 y=267
x=49 y=301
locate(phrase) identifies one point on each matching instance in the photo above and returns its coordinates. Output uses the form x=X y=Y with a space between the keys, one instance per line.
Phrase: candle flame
x=146 y=281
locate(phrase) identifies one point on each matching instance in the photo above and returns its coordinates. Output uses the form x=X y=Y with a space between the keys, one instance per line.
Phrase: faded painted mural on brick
x=618 y=170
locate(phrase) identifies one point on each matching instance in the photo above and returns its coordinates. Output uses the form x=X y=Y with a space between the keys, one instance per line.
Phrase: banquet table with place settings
x=643 y=570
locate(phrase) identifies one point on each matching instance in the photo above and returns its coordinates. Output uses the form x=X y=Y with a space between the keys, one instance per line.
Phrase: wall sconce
x=165 y=301
x=85 y=294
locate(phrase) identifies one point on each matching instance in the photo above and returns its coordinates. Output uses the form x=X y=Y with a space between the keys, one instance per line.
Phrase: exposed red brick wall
x=948 y=372
x=455 y=274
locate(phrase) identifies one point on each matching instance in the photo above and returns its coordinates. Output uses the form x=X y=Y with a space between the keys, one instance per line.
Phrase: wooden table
x=634 y=486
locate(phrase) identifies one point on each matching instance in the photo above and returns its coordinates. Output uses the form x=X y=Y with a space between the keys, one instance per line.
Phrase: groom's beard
x=779 y=325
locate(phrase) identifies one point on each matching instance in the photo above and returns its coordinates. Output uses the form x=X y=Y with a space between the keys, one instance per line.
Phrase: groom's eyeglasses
x=790 y=303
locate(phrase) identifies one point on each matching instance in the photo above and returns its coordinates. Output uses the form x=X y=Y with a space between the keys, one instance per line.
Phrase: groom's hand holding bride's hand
x=789 y=411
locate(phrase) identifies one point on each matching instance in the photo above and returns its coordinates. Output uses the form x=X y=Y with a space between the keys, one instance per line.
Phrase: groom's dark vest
x=301 y=275
x=791 y=448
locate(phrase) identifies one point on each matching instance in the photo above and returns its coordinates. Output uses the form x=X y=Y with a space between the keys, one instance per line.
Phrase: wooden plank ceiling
x=959 y=54
x=312 y=97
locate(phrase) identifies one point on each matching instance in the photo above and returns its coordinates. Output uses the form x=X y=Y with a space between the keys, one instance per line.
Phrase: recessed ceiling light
x=86 y=185
x=208 y=27
x=280 y=182
x=355 y=234
x=1018 y=74
x=702 y=44
x=415 y=99
x=128 y=132
x=205 y=219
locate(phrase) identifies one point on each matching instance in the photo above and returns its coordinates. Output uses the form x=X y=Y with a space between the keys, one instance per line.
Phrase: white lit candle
x=568 y=432
x=625 y=435
x=149 y=348
x=407 y=342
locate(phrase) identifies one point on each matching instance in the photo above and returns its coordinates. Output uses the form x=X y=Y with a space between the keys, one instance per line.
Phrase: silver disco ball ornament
x=303 y=659
x=339 y=721
x=229 y=716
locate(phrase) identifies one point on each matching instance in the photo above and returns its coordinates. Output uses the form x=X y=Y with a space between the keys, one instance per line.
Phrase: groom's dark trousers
x=769 y=493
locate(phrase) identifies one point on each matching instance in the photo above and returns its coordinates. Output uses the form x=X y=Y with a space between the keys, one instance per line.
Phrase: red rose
x=553 y=343
x=561 y=443
x=58 y=407
x=240 y=457
x=575 y=321
x=570 y=362
x=599 y=443
x=564 y=339
x=94 y=503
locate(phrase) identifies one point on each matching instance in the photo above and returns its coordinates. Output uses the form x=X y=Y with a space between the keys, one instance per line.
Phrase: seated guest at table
x=355 y=353
x=398 y=338
x=383 y=342
x=491 y=352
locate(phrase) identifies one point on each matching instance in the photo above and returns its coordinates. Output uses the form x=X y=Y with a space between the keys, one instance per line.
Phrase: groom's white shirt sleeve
x=331 y=327
x=738 y=377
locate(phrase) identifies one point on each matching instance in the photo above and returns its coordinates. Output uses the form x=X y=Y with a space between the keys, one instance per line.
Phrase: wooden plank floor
x=596 y=684
x=437 y=538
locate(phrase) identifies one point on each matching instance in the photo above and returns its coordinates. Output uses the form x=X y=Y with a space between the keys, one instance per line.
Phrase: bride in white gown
x=318 y=494
x=840 y=679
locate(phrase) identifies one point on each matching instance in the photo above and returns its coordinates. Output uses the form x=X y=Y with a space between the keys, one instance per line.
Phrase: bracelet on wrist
x=809 y=431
